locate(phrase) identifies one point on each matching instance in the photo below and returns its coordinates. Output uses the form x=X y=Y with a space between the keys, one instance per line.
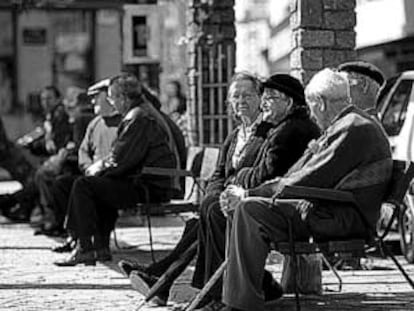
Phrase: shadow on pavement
x=349 y=301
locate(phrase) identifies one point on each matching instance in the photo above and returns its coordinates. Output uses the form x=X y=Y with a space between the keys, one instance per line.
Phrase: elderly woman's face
x=244 y=99
x=275 y=105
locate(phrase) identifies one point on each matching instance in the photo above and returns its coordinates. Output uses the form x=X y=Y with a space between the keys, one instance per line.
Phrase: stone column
x=210 y=36
x=322 y=35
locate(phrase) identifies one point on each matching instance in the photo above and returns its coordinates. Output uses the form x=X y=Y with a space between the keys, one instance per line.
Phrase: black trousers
x=94 y=203
x=60 y=193
x=211 y=247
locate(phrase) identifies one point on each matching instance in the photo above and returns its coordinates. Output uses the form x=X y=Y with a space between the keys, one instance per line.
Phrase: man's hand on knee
x=230 y=198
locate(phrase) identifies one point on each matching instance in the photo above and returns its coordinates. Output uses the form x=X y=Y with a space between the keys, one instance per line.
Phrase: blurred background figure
x=175 y=106
x=79 y=113
x=175 y=101
x=57 y=142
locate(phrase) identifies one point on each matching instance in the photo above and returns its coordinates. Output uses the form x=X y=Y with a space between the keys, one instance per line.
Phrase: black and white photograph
x=206 y=155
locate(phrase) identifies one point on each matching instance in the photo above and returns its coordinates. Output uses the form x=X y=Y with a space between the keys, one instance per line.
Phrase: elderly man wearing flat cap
x=365 y=81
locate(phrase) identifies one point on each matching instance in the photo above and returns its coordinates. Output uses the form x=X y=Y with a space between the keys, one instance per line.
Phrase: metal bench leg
x=335 y=272
x=150 y=236
x=116 y=240
x=147 y=213
x=294 y=264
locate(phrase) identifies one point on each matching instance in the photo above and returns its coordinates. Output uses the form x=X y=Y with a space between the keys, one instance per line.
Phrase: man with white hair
x=351 y=141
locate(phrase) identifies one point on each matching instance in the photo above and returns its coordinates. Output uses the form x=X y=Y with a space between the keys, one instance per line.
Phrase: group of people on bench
x=288 y=136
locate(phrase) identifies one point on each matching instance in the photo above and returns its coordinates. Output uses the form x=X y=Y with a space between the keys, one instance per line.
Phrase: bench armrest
x=301 y=192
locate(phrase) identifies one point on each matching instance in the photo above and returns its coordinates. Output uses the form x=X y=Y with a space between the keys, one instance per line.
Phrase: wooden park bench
x=403 y=173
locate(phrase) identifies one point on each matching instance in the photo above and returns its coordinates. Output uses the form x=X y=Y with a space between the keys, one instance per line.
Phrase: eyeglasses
x=274 y=98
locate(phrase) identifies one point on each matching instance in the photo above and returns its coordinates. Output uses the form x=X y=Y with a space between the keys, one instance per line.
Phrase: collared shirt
x=243 y=136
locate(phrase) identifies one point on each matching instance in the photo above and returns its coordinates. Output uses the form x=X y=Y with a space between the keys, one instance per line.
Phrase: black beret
x=363 y=68
x=288 y=85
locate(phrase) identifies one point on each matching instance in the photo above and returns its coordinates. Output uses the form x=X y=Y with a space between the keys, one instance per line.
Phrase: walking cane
x=171 y=274
x=219 y=272
x=216 y=276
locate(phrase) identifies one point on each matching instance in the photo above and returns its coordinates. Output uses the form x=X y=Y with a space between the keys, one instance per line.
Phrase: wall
x=173 y=50
x=108 y=58
x=34 y=61
x=252 y=41
x=252 y=36
x=379 y=21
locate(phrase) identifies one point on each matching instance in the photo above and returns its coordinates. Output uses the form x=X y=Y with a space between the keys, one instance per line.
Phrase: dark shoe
x=139 y=284
x=7 y=201
x=103 y=255
x=65 y=247
x=142 y=283
x=127 y=267
x=88 y=258
x=272 y=289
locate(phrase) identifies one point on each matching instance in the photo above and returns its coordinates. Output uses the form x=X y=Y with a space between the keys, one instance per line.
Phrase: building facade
x=77 y=42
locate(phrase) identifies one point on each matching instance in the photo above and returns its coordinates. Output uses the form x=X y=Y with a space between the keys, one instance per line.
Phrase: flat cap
x=98 y=87
x=288 y=85
x=363 y=68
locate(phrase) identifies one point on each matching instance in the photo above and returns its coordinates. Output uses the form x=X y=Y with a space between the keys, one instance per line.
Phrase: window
x=396 y=110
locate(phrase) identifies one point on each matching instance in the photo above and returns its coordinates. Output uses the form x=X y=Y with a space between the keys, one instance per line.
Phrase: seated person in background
x=175 y=106
x=351 y=140
x=283 y=134
x=55 y=133
x=13 y=160
x=365 y=81
x=96 y=145
x=56 y=126
x=79 y=111
x=116 y=182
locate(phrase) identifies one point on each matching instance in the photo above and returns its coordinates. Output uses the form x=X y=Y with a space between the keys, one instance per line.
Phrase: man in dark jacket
x=327 y=163
x=117 y=182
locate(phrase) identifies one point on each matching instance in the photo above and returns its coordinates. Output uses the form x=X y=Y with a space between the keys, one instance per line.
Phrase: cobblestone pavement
x=29 y=280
